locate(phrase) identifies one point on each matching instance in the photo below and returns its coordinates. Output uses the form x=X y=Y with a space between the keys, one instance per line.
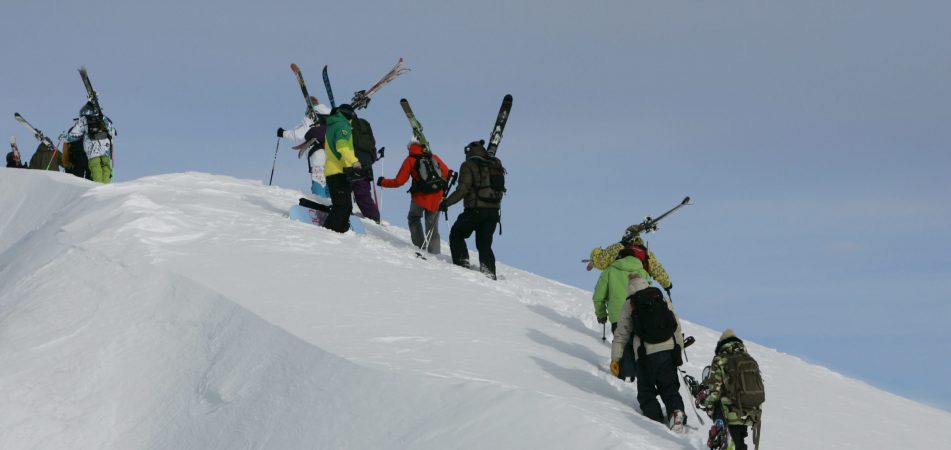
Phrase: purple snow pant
x=361 y=192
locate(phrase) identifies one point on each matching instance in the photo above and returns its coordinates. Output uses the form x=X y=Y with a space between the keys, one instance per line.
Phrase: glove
x=379 y=181
x=380 y=152
x=602 y=320
x=443 y=206
x=280 y=132
x=357 y=166
x=615 y=368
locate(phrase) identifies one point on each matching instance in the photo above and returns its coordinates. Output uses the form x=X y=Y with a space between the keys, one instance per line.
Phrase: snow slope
x=186 y=311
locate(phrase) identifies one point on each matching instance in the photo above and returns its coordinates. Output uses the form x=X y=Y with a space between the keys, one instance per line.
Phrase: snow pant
x=738 y=436
x=100 y=169
x=361 y=192
x=341 y=205
x=482 y=221
x=414 y=217
x=319 y=189
x=627 y=364
x=657 y=375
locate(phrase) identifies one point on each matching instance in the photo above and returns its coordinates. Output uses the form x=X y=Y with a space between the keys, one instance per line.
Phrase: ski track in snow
x=187 y=311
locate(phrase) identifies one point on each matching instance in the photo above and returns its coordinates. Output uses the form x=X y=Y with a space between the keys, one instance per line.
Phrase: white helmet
x=322 y=109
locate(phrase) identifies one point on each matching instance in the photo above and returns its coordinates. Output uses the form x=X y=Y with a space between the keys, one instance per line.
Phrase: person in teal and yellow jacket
x=610 y=293
x=339 y=167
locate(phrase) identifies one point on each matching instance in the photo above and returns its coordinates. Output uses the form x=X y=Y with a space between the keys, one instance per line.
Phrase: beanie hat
x=728 y=333
x=347 y=111
x=636 y=283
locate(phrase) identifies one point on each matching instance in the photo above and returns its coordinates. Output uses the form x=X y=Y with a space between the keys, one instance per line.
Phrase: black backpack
x=363 y=141
x=96 y=128
x=491 y=186
x=430 y=176
x=653 y=320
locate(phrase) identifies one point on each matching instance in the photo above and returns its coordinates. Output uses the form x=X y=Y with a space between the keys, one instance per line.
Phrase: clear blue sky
x=812 y=135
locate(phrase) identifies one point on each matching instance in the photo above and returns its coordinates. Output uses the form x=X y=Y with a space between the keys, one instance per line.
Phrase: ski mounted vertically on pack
x=361 y=99
x=36 y=133
x=417 y=127
x=496 y=137
x=330 y=92
x=311 y=111
x=91 y=96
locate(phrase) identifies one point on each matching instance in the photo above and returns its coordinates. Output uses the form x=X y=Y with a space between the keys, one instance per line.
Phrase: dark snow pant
x=627 y=364
x=415 y=218
x=657 y=375
x=340 y=203
x=361 y=192
x=482 y=221
x=738 y=436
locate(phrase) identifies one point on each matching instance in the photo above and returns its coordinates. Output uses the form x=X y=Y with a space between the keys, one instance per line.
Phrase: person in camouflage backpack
x=717 y=402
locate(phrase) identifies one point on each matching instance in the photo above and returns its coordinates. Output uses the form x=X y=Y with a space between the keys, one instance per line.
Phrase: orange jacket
x=428 y=200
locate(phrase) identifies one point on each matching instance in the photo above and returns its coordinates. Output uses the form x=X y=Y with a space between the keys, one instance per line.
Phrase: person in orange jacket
x=423 y=202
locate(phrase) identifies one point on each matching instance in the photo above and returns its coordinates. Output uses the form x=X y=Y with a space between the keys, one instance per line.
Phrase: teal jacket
x=611 y=290
x=338 y=144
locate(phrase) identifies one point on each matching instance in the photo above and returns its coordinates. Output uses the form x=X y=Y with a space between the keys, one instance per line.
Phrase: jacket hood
x=336 y=120
x=416 y=149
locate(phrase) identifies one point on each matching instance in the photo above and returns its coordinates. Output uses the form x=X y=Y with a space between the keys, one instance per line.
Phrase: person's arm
x=297 y=133
x=462 y=189
x=401 y=177
x=657 y=271
x=600 y=296
x=622 y=335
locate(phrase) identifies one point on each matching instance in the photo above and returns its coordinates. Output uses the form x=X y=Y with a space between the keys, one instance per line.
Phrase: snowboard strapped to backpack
x=430 y=175
x=491 y=187
x=653 y=320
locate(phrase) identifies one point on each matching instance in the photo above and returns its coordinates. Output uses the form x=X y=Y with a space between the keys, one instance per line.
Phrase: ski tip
x=403 y=100
x=507 y=98
x=295 y=68
x=686 y=201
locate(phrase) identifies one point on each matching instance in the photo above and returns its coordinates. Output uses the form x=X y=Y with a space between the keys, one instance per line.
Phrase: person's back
x=46 y=158
x=718 y=402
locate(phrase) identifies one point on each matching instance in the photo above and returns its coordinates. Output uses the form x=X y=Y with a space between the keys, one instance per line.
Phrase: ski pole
x=604 y=332
x=274 y=163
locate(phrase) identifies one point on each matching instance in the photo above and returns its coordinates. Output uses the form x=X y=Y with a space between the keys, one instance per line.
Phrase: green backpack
x=745 y=387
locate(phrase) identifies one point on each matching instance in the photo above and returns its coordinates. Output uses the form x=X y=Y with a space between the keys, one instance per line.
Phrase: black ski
x=500 y=120
x=311 y=103
x=91 y=94
x=650 y=224
x=417 y=127
x=330 y=92
x=362 y=98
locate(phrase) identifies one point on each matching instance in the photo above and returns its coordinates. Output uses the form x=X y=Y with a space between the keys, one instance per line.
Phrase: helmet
x=87 y=110
x=475 y=144
x=321 y=109
x=347 y=111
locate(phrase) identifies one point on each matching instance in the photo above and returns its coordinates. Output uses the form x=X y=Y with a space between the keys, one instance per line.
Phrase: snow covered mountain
x=185 y=311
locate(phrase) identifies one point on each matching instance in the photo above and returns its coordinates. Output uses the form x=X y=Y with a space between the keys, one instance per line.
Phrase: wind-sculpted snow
x=186 y=311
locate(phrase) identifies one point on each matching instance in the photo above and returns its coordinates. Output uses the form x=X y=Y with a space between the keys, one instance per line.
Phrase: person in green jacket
x=339 y=167
x=610 y=293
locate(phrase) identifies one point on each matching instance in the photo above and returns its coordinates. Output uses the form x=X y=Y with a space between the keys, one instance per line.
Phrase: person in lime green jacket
x=610 y=293
x=339 y=167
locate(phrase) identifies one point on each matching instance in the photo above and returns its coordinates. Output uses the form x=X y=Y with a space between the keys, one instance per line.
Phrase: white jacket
x=93 y=148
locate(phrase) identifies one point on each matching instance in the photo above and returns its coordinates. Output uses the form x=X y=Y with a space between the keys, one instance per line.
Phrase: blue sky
x=812 y=137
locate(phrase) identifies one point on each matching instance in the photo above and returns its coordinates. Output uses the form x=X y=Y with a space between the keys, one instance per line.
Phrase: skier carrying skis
x=601 y=258
x=46 y=158
x=481 y=186
x=364 y=146
x=423 y=202
x=96 y=132
x=339 y=168
x=718 y=402
x=13 y=161
x=312 y=133
x=610 y=293
x=658 y=343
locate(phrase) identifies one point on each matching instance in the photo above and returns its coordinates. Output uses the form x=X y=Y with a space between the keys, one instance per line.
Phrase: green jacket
x=718 y=379
x=338 y=144
x=611 y=290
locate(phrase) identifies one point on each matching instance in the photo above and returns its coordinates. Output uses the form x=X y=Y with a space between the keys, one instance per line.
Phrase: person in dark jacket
x=13 y=161
x=481 y=213
x=421 y=203
x=364 y=146
x=46 y=158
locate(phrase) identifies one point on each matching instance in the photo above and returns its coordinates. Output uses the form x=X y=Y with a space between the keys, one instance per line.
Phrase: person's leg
x=461 y=230
x=95 y=169
x=341 y=204
x=488 y=220
x=738 y=436
x=361 y=192
x=432 y=223
x=646 y=391
x=414 y=218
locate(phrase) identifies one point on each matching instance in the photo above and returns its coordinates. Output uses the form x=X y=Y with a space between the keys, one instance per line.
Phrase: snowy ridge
x=186 y=311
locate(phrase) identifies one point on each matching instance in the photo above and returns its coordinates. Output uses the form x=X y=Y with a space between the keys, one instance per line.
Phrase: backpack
x=430 y=176
x=745 y=383
x=491 y=187
x=653 y=320
x=363 y=140
x=96 y=128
